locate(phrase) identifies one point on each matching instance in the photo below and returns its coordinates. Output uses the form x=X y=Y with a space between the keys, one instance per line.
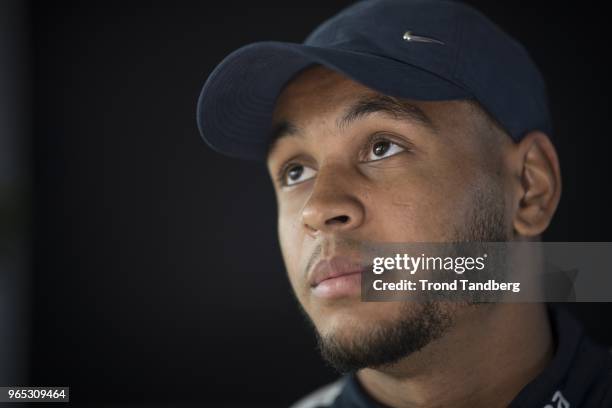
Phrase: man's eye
x=296 y=174
x=382 y=149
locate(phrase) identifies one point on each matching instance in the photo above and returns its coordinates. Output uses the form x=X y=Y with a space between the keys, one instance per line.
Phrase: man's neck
x=484 y=360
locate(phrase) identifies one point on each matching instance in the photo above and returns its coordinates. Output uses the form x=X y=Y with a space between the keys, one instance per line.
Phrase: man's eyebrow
x=281 y=129
x=364 y=106
x=388 y=105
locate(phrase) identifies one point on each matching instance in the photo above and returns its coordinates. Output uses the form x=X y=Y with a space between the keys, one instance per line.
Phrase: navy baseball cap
x=415 y=49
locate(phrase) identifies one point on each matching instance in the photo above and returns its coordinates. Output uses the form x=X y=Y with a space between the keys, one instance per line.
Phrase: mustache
x=328 y=248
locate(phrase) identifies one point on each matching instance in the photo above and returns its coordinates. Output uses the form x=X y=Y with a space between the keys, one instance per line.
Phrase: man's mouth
x=336 y=277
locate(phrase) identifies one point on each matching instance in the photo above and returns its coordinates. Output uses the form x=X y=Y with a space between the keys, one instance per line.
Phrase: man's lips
x=332 y=268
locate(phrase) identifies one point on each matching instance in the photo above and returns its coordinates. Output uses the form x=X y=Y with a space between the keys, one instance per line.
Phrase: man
x=408 y=121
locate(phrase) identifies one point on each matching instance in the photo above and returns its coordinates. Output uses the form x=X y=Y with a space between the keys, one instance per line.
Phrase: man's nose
x=333 y=205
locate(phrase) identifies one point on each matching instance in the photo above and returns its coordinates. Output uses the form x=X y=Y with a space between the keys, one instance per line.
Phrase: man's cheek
x=425 y=205
x=290 y=244
x=286 y=246
x=412 y=217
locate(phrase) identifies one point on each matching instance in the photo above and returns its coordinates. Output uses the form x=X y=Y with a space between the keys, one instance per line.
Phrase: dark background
x=156 y=275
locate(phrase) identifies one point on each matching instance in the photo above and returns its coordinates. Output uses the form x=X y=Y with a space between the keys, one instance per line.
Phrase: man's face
x=351 y=166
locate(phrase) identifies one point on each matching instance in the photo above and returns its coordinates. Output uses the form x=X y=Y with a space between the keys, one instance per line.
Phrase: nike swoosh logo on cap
x=408 y=36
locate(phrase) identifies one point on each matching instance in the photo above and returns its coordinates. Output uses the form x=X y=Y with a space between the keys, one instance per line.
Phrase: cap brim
x=235 y=106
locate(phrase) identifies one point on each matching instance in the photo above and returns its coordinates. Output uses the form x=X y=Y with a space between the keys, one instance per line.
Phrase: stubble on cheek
x=432 y=205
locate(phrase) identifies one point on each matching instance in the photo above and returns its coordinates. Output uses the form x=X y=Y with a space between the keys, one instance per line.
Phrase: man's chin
x=351 y=318
x=380 y=333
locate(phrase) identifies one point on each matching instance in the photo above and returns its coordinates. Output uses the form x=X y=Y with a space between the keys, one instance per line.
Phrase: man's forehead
x=332 y=99
x=321 y=93
x=318 y=75
x=317 y=87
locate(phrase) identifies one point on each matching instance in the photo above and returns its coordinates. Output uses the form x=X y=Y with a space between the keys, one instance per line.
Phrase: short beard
x=387 y=344
x=421 y=322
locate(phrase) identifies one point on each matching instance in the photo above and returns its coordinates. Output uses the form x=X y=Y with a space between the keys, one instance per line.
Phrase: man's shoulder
x=322 y=397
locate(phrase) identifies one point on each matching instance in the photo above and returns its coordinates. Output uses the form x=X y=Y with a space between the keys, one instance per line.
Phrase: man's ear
x=538 y=183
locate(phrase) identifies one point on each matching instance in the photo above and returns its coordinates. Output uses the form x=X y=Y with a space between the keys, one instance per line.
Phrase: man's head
x=351 y=165
x=395 y=121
